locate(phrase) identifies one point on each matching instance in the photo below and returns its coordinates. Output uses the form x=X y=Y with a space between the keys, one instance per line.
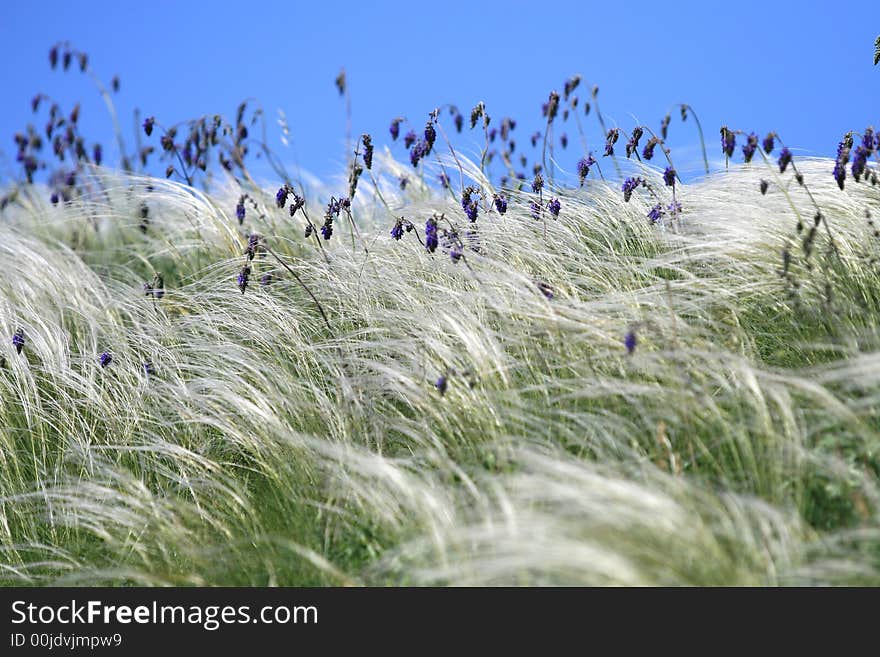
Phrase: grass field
x=593 y=399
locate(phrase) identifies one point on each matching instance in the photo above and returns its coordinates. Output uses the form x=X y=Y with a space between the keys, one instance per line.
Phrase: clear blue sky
x=801 y=68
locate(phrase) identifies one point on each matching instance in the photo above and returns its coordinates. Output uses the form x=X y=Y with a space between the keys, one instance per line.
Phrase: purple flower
x=431 y=240
x=633 y=144
x=784 y=159
x=500 y=204
x=281 y=196
x=769 y=143
x=728 y=141
x=563 y=139
x=648 y=151
x=149 y=370
x=441 y=385
x=536 y=209
x=610 y=139
x=630 y=341
x=669 y=177
x=397 y=230
x=583 y=167
x=54 y=198
x=105 y=359
x=629 y=186
x=674 y=208
x=655 y=213
x=409 y=139
x=554 y=206
x=750 y=147
x=97 y=154
x=430 y=135
x=546 y=290
x=368 y=150
x=469 y=205
x=239 y=210
x=444 y=180
x=417 y=152
x=18 y=341
x=243 y=277
x=860 y=160
x=327 y=230
x=148 y=125
x=394 y=129
x=538 y=183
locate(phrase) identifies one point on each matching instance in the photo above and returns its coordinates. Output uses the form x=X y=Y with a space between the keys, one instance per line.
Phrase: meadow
x=444 y=368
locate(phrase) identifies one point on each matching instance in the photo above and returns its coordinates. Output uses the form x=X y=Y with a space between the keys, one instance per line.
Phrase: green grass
x=738 y=444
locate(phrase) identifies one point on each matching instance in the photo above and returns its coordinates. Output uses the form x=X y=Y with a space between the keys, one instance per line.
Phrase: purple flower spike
x=784 y=159
x=630 y=341
x=18 y=341
x=669 y=177
x=105 y=359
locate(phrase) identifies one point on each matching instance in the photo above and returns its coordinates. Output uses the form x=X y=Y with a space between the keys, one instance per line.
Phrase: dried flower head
x=149 y=122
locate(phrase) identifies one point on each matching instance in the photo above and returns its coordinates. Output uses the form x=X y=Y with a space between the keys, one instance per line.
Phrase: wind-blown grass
x=738 y=444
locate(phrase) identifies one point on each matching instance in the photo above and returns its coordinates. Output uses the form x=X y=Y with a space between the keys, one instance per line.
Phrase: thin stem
x=302 y=284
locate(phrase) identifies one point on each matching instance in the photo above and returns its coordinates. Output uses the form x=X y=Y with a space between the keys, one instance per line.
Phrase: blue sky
x=801 y=68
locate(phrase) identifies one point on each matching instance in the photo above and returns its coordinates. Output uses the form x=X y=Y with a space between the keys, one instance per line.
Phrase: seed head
x=148 y=125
